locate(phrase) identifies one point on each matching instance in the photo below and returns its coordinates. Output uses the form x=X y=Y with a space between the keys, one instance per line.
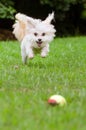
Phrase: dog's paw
x=31 y=56
x=43 y=55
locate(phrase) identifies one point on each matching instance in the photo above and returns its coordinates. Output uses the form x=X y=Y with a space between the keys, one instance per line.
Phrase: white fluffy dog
x=33 y=33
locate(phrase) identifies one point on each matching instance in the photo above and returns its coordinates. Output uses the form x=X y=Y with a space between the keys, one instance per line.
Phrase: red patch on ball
x=52 y=102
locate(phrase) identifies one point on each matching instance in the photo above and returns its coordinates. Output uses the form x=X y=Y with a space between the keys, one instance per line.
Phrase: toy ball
x=57 y=100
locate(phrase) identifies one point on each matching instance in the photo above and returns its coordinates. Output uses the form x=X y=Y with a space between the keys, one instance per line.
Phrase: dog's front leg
x=45 y=51
x=30 y=53
x=26 y=51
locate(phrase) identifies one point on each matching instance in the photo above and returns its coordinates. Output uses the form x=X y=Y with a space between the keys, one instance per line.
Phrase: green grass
x=25 y=89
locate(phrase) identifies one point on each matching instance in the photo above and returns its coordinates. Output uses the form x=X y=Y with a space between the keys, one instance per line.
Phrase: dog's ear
x=49 y=19
x=30 y=23
x=26 y=20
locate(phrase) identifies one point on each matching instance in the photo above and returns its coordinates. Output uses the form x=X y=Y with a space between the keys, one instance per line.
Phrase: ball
x=57 y=100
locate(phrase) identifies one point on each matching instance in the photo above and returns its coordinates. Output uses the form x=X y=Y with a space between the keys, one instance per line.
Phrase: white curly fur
x=33 y=33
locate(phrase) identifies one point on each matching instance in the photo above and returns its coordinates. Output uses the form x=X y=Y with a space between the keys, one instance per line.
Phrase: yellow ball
x=57 y=100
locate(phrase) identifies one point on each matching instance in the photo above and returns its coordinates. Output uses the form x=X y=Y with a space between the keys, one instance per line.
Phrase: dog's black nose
x=39 y=40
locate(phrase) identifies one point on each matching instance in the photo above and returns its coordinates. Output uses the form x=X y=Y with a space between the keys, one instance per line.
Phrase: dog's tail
x=19 y=28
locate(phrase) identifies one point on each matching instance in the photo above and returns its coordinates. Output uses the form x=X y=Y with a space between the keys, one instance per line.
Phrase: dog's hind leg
x=24 y=56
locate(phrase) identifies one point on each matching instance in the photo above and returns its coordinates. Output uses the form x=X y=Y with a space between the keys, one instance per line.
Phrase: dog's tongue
x=39 y=44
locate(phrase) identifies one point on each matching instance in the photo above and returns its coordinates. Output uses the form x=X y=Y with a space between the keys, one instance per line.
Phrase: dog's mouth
x=39 y=43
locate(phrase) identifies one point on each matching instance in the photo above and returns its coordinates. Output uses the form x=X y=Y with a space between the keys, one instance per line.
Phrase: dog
x=33 y=34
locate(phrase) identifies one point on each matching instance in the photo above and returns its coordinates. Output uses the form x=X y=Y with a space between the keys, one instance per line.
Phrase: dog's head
x=41 y=32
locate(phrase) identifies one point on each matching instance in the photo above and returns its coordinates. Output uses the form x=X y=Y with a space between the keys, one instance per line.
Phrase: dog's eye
x=43 y=34
x=35 y=34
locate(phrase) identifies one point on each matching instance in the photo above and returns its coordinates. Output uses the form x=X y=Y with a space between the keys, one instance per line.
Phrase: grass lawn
x=25 y=89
